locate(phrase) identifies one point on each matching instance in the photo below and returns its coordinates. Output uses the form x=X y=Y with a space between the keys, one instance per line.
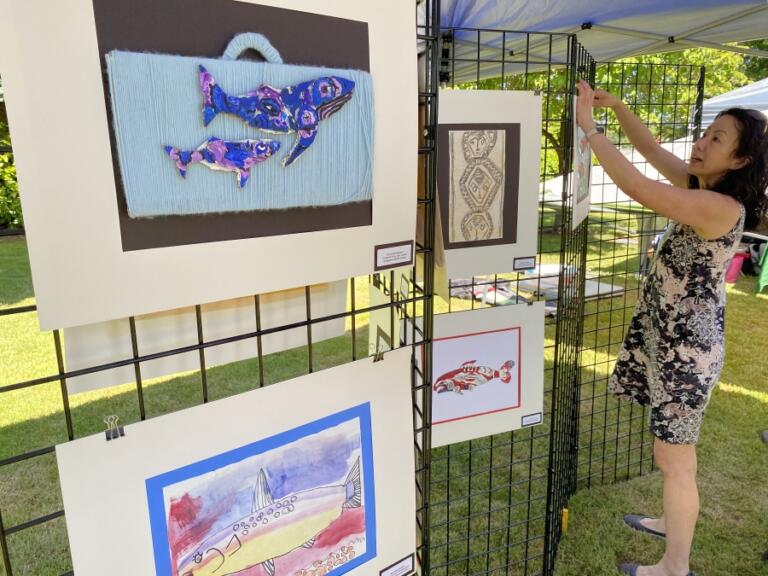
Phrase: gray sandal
x=631 y=570
x=634 y=522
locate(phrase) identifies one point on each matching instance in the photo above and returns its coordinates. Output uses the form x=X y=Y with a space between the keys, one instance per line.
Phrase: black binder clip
x=113 y=431
x=378 y=356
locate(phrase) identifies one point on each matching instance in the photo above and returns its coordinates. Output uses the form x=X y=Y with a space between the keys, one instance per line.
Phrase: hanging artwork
x=477 y=168
x=487 y=372
x=581 y=175
x=302 y=478
x=289 y=503
x=322 y=115
x=488 y=178
x=228 y=136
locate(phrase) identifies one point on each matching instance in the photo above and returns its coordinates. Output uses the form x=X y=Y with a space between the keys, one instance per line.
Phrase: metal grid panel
x=613 y=441
x=496 y=501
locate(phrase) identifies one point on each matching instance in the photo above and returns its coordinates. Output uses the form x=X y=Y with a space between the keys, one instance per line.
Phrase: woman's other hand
x=584 y=106
x=603 y=99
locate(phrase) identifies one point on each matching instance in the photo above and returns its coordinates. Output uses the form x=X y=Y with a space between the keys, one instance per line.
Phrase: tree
x=10 y=205
x=662 y=86
x=756 y=68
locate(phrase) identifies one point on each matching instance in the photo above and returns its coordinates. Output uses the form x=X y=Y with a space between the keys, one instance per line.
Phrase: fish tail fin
x=269 y=566
x=214 y=98
x=506 y=371
x=183 y=158
x=242 y=177
x=353 y=487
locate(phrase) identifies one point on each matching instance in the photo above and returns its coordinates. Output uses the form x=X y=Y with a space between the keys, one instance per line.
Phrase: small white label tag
x=393 y=255
x=531 y=419
x=524 y=263
x=401 y=568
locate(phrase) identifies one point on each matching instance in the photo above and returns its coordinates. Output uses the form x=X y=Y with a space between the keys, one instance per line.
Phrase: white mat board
x=53 y=88
x=101 y=479
x=106 y=342
x=470 y=336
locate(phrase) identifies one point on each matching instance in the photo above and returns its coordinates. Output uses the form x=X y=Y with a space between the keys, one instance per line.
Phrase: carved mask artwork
x=476 y=203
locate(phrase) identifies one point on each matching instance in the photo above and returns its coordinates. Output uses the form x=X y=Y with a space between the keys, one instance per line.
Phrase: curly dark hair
x=749 y=183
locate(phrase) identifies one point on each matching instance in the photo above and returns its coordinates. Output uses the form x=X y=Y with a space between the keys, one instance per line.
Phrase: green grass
x=488 y=496
x=731 y=534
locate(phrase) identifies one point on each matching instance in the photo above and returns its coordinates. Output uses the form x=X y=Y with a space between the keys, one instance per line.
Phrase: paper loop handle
x=254 y=41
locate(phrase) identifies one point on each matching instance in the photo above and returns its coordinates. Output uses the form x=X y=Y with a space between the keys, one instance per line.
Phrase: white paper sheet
x=580 y=177
x=497 y=107
x=488 y=372
x=95 y=344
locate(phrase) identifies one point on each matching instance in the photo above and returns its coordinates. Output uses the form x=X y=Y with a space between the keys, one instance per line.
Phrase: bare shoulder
x=725 y=213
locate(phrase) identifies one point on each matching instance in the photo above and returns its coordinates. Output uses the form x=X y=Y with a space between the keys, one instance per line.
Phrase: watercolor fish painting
x=275 y=527
x=299 y=508
x=294 y=109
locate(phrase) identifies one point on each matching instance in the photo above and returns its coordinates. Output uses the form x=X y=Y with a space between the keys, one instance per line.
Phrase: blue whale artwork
x=294 y=109
x=217 y=154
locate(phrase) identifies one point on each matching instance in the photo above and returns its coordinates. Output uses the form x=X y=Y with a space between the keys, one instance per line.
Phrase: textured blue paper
x=156 y=101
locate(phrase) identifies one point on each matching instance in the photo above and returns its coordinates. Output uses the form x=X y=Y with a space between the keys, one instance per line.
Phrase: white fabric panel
x=753 y=95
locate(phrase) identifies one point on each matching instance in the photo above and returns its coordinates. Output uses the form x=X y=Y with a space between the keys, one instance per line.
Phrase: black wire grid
x=492 y=505
x=497 y=501
x=613 y=442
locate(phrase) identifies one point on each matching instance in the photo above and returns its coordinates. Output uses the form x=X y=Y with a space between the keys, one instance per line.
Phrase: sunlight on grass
x=734 y=389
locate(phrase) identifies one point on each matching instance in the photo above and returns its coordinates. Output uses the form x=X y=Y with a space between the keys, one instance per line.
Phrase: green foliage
x=756 y=68
x=10 y=206
x=663 y=86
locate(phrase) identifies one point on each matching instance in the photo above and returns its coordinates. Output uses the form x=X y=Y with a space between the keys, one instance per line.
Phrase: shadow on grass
x=14 y=264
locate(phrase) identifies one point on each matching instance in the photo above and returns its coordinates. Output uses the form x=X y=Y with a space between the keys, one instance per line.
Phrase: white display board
x=106 y=342
x=54 y=90
x=487 y=372
x=489 y=144
x=235 y=462
x=581 y=175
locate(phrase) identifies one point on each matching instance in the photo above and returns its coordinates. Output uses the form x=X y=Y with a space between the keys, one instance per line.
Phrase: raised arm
x=672 y=167
x=710 y=214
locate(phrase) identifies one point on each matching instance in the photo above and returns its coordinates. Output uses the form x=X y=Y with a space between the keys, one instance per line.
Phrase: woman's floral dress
x=674 y=350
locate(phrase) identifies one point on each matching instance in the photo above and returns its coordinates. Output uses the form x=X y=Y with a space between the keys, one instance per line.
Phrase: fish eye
x=271 y=108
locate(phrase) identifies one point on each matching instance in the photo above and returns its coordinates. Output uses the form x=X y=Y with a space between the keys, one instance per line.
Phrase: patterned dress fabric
x=674 y=349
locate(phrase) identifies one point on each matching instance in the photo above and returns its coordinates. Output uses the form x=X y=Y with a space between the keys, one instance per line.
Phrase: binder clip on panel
x=113 y=431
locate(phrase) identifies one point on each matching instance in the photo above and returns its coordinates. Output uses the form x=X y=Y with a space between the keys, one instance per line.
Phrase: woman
x=674 y=350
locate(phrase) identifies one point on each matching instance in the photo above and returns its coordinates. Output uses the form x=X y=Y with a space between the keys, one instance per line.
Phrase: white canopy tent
x=602 y=188
x=608 y=31
x=753 y=95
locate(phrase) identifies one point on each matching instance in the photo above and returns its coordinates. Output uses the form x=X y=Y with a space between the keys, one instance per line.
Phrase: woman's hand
x=584 y=106
x=603 y=99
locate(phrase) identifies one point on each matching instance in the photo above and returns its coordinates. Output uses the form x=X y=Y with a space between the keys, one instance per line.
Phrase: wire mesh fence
x=613 y=442
x=496 y=501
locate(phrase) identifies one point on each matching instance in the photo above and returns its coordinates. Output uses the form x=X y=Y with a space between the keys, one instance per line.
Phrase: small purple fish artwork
x=293 y=109
x=229 y=156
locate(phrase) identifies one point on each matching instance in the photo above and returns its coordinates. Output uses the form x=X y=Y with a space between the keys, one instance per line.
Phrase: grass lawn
x=732 y=533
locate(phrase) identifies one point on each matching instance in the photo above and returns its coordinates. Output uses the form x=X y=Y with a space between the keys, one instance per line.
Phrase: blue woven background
x=156 y=101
